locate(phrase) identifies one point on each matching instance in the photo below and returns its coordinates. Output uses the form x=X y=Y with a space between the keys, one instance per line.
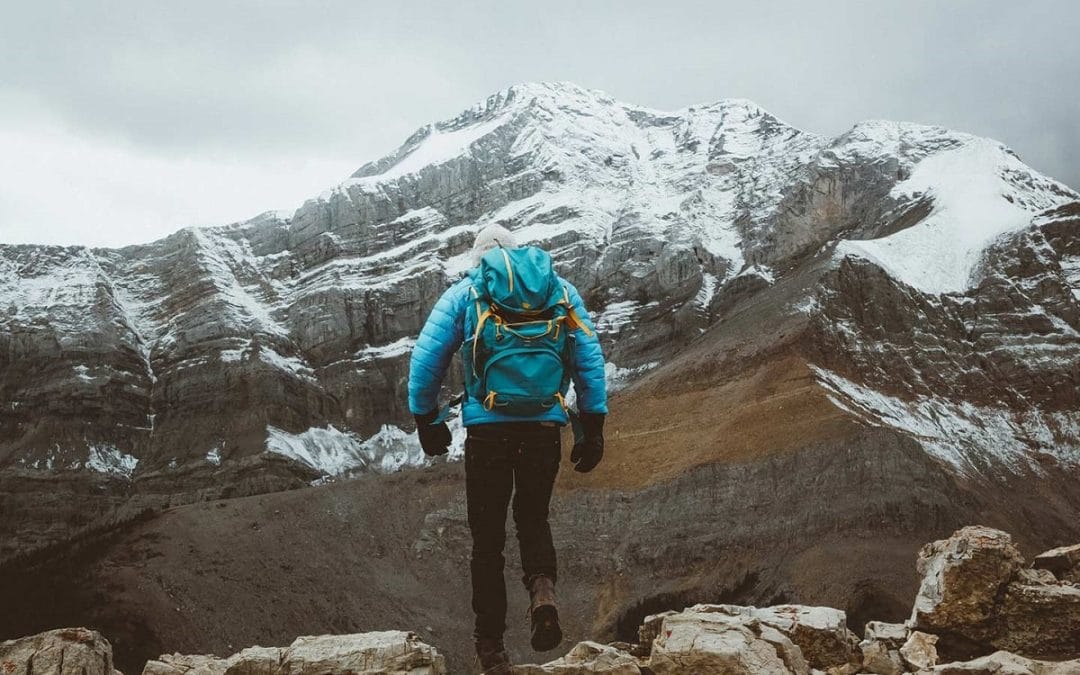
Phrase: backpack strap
x=562 y=402
x=574 y=321
x=482 y=315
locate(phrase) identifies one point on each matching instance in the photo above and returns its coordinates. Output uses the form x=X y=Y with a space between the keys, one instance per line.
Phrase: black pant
x=503 y=458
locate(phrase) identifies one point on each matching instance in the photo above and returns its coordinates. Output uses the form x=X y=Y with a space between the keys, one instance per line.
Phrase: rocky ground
x=980 y=609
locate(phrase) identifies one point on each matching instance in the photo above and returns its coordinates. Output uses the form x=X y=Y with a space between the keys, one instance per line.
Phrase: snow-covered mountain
x=927 y=279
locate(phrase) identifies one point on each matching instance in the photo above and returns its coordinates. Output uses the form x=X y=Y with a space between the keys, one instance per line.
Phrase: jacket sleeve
x=439 y=339
x=589 y=381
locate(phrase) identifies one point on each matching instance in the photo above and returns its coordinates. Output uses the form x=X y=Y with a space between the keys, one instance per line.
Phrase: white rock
x=586 y=658
x=391 y=652
x=920 y=651
x=820 y=632
x=892 y=634
x=711 y=642
x=67 y=651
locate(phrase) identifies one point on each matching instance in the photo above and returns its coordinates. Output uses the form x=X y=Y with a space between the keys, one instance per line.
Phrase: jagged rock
x=920 y=651
x=386 y=651
x=185 y=664
x=893 y=635
x=1005 y=663
x=66 y=651
x=376 y=653
x=716 y=642
x=962 y=579
x=1031 y=575
x=789 y=652
x=584 y=659
x=820 y=632
x=975 y=588
x=878 y=658
x=1039 y=620
x=1063 y=562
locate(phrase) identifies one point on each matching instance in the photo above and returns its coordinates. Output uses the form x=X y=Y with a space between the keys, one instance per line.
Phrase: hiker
x=524 y=335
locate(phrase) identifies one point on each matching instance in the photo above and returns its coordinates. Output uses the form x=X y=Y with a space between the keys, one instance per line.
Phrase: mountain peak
x=575 y=111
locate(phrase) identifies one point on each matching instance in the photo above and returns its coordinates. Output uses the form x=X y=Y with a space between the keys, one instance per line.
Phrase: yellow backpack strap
x=562 y=401
x=482 y=315
x=574 y=321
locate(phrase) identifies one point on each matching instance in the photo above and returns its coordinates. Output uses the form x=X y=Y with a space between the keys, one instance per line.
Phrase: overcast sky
x=121 y=122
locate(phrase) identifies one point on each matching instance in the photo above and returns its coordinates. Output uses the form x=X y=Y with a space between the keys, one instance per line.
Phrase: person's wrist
x=425 y=418
x=592 y=424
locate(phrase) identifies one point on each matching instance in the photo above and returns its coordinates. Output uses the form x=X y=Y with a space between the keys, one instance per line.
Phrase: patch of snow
x=425 y=215
x=393 y=449
x=336 y=453
x=329 y=451
x=232 y=355
x=805 y=306
x=762 y=271
x=708 y=289
x=435 y=148
x=109 y=460
x=457 y=265
x=969 y=438
x=214 y=456
x=974 y=202
x=289 y=364
x=218 y=255
x=618 y=378
x=391 y=350
x=83 y=373
x=618 y=314
x=1070 y=267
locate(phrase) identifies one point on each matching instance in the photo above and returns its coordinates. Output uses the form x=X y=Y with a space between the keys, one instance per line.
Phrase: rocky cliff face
x=269 y=352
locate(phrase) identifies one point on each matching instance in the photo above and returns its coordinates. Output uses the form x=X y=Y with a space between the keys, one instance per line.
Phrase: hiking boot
x=492 y=656
x=543 y=614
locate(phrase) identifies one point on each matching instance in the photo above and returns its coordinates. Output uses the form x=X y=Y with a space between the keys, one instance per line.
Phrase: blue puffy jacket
x=445 y=330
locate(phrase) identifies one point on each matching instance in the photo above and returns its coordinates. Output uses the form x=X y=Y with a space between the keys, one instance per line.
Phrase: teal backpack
x=517 y=360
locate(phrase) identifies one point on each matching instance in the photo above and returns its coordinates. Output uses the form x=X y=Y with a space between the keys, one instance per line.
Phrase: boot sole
x=546 y=632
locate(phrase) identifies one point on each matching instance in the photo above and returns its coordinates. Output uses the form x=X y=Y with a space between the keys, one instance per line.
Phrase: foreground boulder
x=962 y=580
x=67 y=651
x=976 y=592
x=377 y=653
x=719 y=642
x=820 y=632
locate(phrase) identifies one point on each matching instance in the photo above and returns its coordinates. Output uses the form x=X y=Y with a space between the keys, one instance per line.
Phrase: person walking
x=524 y=335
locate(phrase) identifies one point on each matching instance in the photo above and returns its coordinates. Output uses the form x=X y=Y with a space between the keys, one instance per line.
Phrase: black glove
x=588 y=452
x=434 y=438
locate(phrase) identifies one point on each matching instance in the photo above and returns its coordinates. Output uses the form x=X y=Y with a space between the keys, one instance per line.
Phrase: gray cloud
x=341 y=82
